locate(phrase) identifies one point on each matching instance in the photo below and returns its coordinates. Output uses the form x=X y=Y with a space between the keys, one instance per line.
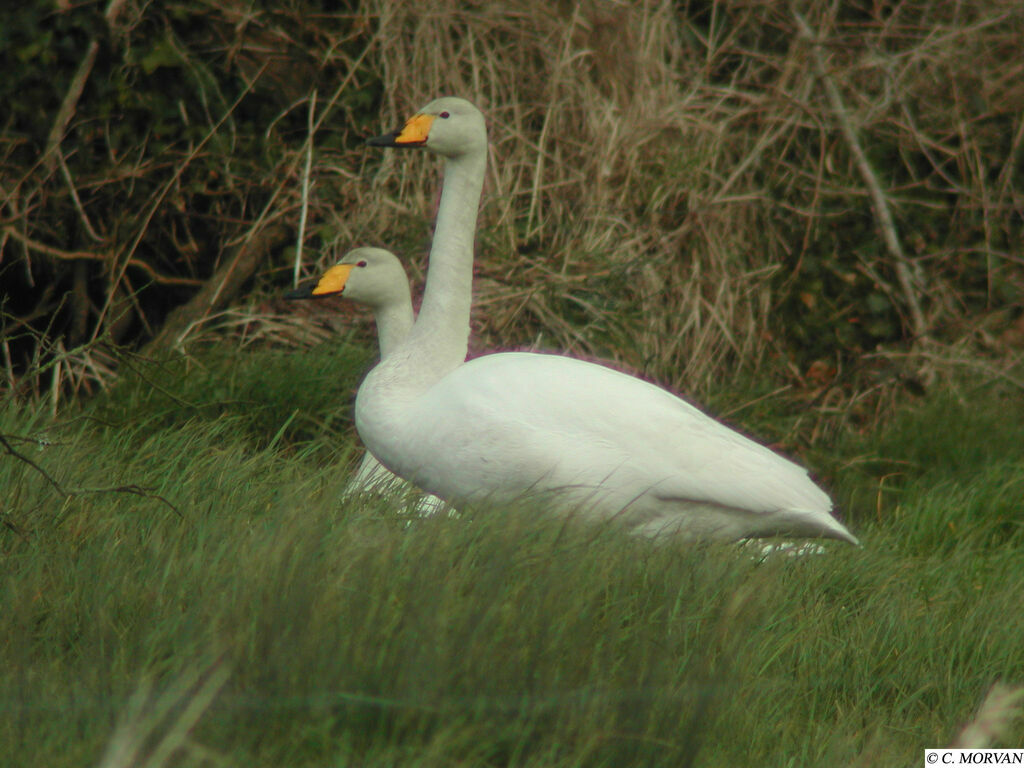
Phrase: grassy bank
x=222 y=604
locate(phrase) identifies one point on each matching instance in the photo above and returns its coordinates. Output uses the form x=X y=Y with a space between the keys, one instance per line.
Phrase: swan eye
x=361 y=264
x=444 y=115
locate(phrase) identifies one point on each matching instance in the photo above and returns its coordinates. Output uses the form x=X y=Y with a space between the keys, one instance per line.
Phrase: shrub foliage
x=687 y=189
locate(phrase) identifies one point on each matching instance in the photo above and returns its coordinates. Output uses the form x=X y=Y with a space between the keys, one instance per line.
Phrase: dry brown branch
x=57 y=253
x=83 y=216
x=663 y=190
x=135 y=490
x=158 y=198
x=878 y=197
x=289 y=169
x=74 y=92
x=221 y=288
x=304 y=211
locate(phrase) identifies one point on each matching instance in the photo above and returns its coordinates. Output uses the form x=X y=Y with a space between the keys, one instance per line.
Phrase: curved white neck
x=439 y=339
x=394 y=323
x=440 y=334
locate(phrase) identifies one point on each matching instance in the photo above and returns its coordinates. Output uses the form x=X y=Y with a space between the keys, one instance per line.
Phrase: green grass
x=272 y=395
x=300 y=628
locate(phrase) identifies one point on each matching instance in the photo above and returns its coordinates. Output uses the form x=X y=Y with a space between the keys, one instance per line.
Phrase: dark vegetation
x=677 y=188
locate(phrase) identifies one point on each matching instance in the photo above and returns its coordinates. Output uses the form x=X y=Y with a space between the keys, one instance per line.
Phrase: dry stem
x=879 y=199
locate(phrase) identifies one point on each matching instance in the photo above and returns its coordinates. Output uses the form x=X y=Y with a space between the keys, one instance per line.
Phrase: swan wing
x=558 y=421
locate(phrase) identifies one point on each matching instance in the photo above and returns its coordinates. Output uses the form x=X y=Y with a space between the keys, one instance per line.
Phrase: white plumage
x=374 y=277
x=505 y=426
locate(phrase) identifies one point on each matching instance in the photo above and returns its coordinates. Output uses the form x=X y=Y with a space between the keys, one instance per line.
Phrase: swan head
x=448 y=126
x=370 y=276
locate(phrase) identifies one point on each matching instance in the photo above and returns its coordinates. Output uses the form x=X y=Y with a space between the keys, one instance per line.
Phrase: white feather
x=508 y=425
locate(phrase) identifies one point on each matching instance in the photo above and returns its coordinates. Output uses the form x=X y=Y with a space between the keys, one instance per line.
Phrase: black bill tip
x=302 y=292
x=390 y=140
x=387 y=140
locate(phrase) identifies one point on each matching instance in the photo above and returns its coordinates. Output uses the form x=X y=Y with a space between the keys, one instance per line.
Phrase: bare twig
x=74 y=197
x=74 y=92
x=57 y=253
x=221 y=287
x=304 y=212
x=290 y=168
x=16 y=530
x=21 y=457
x=136 y=490
x=158 y=198
x=879 y=199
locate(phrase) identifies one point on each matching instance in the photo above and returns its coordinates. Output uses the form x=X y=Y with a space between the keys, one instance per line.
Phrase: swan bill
x=413 y=134
x=331 y=284
x=303 y=292
x=333 y=281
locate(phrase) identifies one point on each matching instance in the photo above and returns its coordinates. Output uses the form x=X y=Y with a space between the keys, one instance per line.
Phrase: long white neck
x=439 y=339
x=394 y=323
x=440 y=336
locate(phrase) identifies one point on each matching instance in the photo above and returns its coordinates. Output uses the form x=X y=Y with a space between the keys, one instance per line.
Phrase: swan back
x=510 y=423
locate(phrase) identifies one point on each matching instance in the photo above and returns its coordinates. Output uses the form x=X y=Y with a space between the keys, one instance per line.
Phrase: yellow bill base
x=333 y=281
x=416 y=130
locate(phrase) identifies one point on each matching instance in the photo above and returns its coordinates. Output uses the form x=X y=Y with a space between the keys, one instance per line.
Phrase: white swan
x=504 y=426
x=374 y=277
